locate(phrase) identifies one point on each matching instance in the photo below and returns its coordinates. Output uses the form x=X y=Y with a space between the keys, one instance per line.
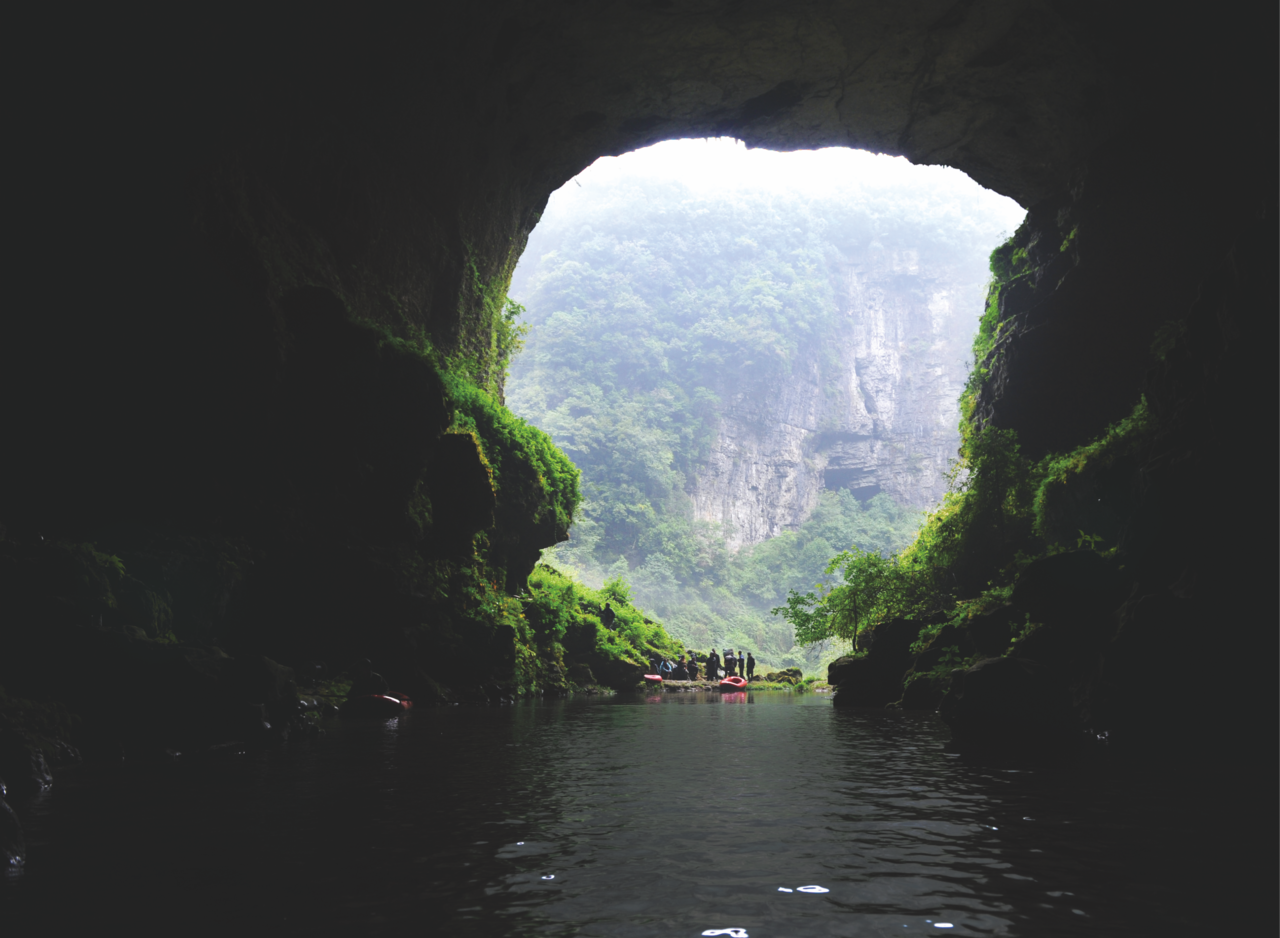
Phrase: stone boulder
x=929 y=676
x=1007 y=703
x=950 y=639
x=892 y=639
x=581 y=675
x=258 y=680
x=22 y=765
x=864 y=682
x=462 y=499
x=617 y=673
x=923 y=693
x=992 y=631
x=787 y=676
x=876 y=679
x=1067 y=586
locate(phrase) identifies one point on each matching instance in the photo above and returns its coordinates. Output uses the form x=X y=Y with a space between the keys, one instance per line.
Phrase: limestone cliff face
x=873 y=406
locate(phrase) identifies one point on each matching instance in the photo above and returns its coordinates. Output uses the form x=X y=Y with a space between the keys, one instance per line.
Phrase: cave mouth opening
x=730 y=342
x=628 y=225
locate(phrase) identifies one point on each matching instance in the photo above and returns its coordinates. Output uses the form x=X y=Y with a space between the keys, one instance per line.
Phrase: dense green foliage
x=529 y=473
x=1002 y=512
x=565 y=643
x=648 y=305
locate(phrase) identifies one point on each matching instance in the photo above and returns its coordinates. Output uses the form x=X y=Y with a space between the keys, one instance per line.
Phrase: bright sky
x=708 y=166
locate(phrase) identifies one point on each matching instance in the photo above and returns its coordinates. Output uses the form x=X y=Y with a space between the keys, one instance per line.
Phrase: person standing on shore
x=751 y=666
x=730 y=663
x=713 y=665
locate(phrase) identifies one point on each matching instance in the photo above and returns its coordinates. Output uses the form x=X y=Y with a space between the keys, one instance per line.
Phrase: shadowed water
x=661 y=816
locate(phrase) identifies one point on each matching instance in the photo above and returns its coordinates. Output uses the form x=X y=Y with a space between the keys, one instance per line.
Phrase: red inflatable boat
x=733 y=682
x=653 y=678
x=375 y=705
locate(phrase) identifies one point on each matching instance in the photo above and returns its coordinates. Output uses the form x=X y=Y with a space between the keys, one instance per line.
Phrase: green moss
x=1008 y=262
x=1056 y=476
x=561 y=627
x=493 y=334
x=529 y=472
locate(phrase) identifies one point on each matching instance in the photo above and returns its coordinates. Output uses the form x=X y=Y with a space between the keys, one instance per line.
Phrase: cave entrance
x=755 y=358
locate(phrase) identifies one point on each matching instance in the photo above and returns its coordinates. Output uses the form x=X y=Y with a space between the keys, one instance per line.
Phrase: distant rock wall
x=872 y=406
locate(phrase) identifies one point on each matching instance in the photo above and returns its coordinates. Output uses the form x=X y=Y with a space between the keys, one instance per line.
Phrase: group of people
x=691 y=664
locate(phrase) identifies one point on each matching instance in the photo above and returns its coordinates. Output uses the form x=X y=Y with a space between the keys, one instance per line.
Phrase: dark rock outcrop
x=13 y=847
x=791 y=676
x=1008 y=703
x=1066 y=586
x=924 y=683
x=875 y=679
x=581 y=675
x=465 y=501
x=23 y=769
x=1070 y=599
x=992 y=631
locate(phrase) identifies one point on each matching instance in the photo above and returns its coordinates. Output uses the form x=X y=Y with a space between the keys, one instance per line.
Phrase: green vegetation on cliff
x=1002 y=513
x=573 y=645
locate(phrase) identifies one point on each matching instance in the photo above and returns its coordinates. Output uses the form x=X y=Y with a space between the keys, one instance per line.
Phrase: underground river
x=624 y=816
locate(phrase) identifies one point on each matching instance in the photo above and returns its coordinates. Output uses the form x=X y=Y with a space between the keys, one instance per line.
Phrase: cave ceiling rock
x=399 y=159
x=436 y=149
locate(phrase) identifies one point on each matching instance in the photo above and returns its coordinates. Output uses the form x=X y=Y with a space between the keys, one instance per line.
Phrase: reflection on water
x=684 y=814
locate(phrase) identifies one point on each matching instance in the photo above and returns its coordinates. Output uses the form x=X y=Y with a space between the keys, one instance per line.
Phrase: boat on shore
x=653 y=678
x=733 y=682
x=375 y=705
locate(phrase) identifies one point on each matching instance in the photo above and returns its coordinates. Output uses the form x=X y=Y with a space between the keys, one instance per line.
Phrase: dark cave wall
x=179 y=189
x=175 y=196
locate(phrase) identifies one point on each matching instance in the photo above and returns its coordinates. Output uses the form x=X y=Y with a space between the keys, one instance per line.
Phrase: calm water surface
x=661 y=816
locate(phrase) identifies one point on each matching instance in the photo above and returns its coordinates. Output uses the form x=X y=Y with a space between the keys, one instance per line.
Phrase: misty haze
x=755 y=359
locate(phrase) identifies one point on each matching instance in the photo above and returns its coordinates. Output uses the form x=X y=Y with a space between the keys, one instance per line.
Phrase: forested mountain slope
x=750 y=379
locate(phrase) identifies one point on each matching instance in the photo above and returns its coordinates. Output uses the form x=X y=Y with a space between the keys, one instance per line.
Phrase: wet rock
x=865 y=682
x=787 y=676
x=924 y=693
x=951 y=640
x=1067 y=586
x=929 y=677
x=892 y=639
x=13 y=847
x=220 y=752
x=617 y=673
x=876 y=679
x=258 y=680
x=991 y=632
x=22 y=765
x=1008 y=703
x=461 y=488
x=1157 y=634
x=285 y=712
x=312 y=671
x=581 y=674
x=251 y=721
